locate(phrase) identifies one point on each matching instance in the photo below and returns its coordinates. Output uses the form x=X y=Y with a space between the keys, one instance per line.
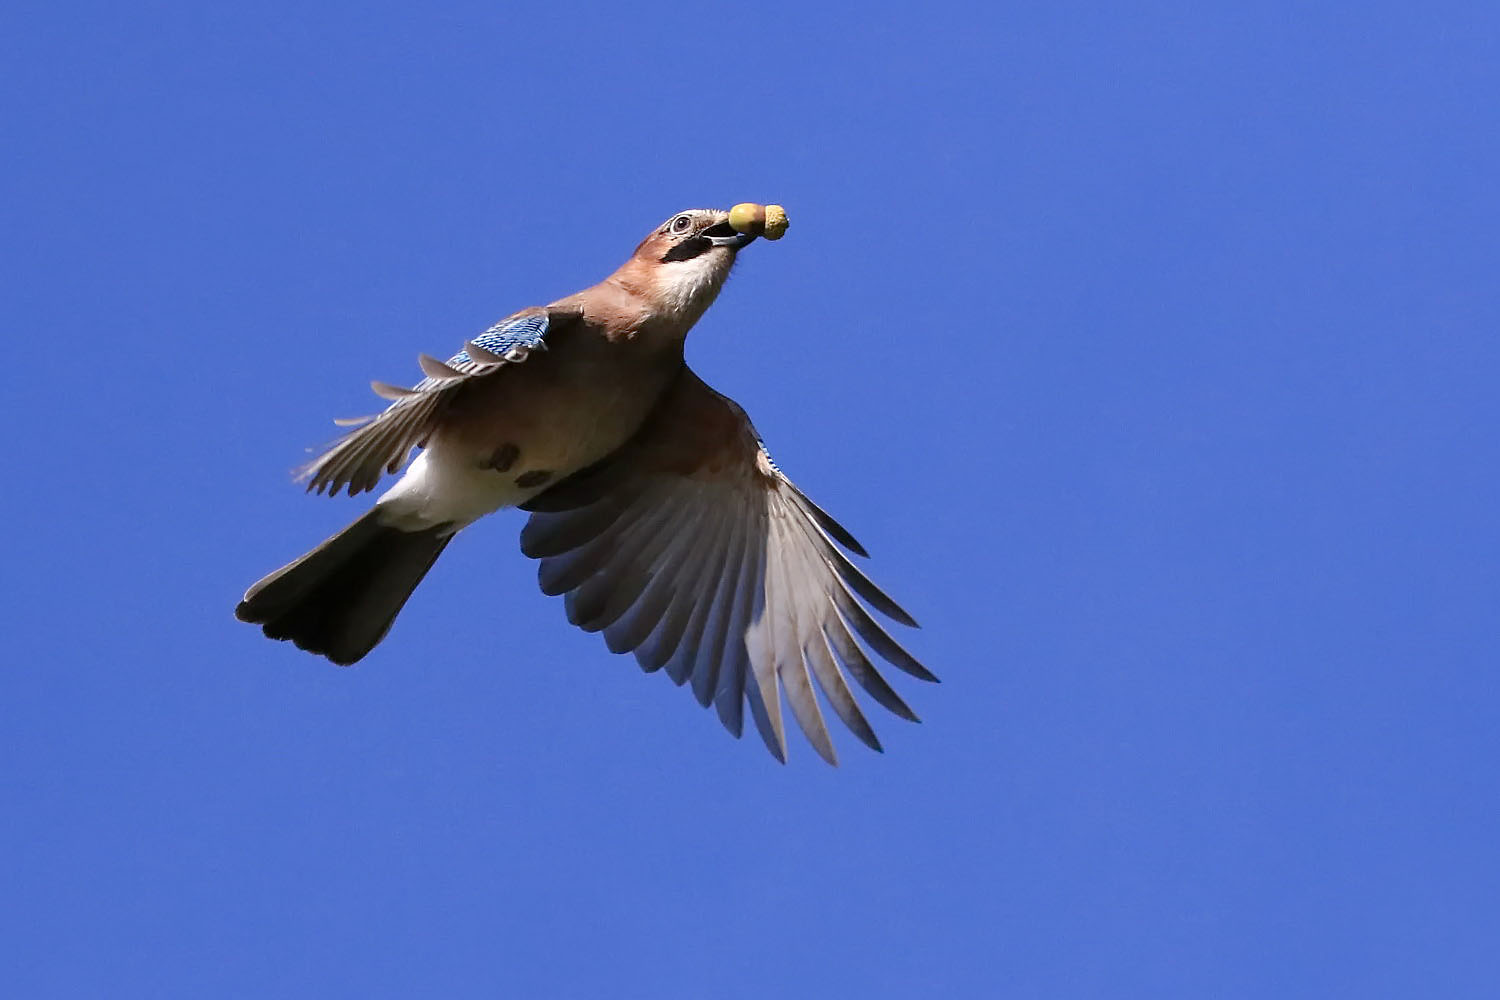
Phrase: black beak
x=725 y=235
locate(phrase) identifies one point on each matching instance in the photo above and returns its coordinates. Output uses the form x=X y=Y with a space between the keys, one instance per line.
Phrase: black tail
x=339 y=600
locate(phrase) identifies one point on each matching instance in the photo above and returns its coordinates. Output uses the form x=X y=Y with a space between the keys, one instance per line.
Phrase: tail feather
x=339 y=600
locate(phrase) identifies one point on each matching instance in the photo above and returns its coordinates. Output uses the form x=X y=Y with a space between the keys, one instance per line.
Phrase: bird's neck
x=662 y=302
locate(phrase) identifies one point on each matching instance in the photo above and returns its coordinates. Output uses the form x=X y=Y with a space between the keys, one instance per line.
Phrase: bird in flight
x=655 y=508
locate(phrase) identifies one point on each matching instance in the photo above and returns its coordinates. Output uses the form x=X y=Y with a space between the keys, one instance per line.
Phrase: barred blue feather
x=527 y=331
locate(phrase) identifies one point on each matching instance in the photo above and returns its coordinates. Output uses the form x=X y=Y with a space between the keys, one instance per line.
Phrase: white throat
x=686 y=288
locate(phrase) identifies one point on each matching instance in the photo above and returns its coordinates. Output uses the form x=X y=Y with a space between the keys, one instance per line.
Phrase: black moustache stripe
x=687 y=249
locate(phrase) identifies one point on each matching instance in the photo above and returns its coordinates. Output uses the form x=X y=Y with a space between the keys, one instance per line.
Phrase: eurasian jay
x=655 y=507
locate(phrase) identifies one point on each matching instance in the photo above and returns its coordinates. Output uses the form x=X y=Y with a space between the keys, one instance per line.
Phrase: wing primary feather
x=596 y=602
x=437 y=370
x=689 y=655
x=848 y=572
x=483 y=355
x=877 y=638
x=388 y=441
x=356 y=460
x=604 y=565
x=385 y=445
x=819 y=656
x=841 y=641
x=552 y=534
x=698 y=638
x=567 y=571
x=760 y=643
x=392 y=392
x=634 y=626
x=667 y=643
x=836 y=690
x=825 y=520
x=771 y=732
x=657 y=649
x=729 y=694
x=681 y=517
x=719 y=604
x=785 y=607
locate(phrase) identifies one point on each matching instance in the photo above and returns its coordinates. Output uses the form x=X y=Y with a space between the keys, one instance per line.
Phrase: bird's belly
x=502 y=449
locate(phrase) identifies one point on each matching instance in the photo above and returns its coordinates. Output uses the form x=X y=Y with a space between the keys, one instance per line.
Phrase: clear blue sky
x=1153 y=355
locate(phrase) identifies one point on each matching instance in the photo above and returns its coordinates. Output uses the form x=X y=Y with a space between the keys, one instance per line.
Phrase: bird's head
x=687 y=257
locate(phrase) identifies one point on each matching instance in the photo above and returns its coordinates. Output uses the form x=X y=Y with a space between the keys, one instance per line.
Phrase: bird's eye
x=682 y=224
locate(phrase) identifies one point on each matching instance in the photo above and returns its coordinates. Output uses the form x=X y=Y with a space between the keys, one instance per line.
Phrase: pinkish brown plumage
x=656 y=509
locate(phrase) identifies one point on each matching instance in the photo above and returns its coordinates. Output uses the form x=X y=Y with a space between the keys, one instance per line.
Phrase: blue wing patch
x=526 y=331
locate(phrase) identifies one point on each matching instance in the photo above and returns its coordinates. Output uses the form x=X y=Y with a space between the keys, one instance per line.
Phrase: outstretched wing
x=380 y=443
x=689 y=547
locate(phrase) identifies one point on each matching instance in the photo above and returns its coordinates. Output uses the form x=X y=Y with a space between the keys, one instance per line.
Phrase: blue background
x=1151 y=352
